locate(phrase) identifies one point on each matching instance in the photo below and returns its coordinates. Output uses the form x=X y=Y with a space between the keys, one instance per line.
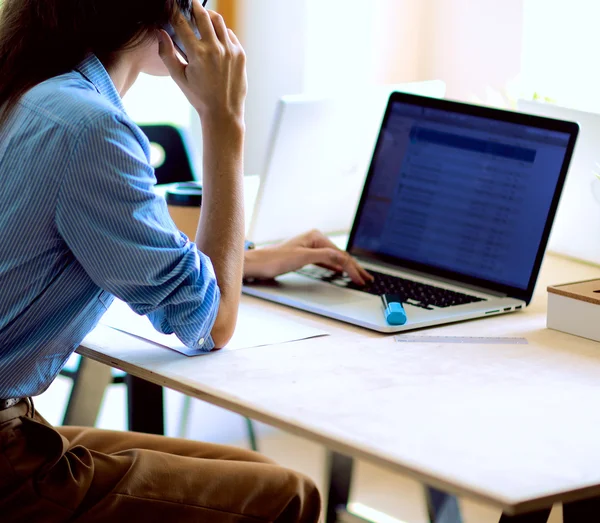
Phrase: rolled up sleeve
x=121 y=233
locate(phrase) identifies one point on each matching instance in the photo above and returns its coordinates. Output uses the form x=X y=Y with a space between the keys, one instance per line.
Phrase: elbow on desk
x=224 y=326
x=221 y=337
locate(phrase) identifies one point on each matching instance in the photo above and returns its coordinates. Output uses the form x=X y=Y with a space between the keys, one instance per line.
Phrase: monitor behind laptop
x=579 y=208
x=317 y=160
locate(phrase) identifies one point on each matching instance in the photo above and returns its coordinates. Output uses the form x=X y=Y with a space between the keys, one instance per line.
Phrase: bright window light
x=560 y=52
x=338 y=53
x=157 y=100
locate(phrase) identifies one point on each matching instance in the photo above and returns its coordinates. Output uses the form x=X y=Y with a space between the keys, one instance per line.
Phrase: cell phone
x=189 y=16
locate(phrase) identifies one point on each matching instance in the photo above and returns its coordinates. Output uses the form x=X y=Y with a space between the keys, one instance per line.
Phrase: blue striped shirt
x=80 y=224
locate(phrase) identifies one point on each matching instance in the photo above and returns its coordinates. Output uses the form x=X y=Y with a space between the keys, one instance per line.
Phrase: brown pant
x=87 y=475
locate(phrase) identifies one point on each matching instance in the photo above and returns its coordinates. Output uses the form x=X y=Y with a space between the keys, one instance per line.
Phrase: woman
x=80 y=224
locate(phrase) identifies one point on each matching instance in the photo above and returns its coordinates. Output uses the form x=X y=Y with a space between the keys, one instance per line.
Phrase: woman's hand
x=310 y=248
x=214 y=79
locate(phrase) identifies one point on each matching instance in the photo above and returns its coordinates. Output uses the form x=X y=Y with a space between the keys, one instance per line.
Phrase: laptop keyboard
x=413 y=292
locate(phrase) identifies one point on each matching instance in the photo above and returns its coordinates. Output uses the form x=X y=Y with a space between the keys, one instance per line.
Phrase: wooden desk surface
x=515 y=426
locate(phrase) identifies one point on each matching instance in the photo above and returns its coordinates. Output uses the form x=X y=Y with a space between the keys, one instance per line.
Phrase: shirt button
x=201 y=342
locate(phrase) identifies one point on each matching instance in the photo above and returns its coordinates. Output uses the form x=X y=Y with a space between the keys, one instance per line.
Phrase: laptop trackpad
x=313 y=291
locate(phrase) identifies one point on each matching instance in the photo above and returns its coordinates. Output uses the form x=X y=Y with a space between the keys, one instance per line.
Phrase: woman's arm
x=221 y=230
x=214 y=81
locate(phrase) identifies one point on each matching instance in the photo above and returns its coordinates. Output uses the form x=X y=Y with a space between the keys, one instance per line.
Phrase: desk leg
x=587 y=510
x=533 y=517
x=340 y=479
x=145 y=406
x=442 y=507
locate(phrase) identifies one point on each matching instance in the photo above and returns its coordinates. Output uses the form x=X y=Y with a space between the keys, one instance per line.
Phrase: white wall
x=319 y=46
x=273 y=34
x=473 y=45
x=338 y=44
x=400 y=40
x=316 y=45
x=560 y=52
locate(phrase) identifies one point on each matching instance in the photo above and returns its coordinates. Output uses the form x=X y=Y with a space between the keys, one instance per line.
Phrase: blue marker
x=393 y=309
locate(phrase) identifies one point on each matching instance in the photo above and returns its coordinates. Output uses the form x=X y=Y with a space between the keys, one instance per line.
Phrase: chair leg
x=442 y=507
x=184 y=418
x=251 y=434
x=340 y=470
x=89 y=385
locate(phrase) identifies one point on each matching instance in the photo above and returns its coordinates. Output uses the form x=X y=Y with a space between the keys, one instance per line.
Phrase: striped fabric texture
x=80 y=224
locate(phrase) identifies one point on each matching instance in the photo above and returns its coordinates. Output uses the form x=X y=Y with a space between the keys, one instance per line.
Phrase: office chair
x=172 y=161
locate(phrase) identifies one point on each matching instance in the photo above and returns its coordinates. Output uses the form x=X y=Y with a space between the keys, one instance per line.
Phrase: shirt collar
x=93 y=70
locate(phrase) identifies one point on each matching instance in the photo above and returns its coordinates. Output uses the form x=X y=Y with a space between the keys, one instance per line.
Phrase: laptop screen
x=461 y=192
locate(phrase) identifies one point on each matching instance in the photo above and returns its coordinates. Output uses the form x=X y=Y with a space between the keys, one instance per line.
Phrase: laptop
x=579 y=208
x=317 y=160
x=455 y=216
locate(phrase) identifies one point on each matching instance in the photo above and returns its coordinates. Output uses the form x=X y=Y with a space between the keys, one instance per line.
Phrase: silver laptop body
x=454 y=217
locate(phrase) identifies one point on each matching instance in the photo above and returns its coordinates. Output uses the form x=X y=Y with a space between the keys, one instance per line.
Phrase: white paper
x=254 y=329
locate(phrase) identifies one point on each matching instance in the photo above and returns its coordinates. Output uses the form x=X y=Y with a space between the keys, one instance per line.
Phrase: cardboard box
x=184 y=200
x=574 y=308
x=186 y=219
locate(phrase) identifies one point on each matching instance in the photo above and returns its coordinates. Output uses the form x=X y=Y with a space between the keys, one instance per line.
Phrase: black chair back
x=177 y=166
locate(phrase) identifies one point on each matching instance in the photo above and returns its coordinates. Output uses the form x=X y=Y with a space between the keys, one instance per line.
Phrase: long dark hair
x=40 y=39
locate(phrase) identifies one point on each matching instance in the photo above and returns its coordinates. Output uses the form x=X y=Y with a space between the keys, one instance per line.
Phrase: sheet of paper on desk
x=254 y=329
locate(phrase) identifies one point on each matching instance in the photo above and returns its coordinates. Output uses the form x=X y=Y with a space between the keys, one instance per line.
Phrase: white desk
x=515 y=426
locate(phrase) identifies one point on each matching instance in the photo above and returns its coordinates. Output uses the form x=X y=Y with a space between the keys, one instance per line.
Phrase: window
x=157 y=100
x=561 y=52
